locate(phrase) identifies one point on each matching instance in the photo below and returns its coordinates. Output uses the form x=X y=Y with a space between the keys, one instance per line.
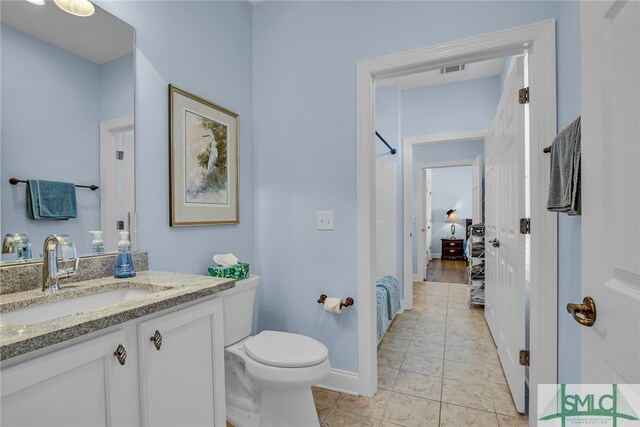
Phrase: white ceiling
x=475 y=70
x=98 y=38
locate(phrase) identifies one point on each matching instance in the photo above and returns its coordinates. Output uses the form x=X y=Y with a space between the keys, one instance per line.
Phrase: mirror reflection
x=67 y=102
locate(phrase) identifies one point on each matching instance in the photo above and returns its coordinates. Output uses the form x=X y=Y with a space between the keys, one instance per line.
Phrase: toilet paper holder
x=347 y=302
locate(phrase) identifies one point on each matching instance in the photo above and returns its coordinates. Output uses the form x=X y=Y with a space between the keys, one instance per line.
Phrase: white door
x=505 y=257
x=428 y=213
x=181 y=365
x=610 y=63
x=117 y=180
x=386 y=239
x=476 y=183
x=422 y=228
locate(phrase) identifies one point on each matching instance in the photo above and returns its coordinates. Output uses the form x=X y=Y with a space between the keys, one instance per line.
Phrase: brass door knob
x=157 y=340
x=584 y=313
x=120 y=354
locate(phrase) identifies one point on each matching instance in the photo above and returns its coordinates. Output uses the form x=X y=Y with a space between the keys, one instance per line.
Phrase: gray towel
x=51 y=200
x=564 y=183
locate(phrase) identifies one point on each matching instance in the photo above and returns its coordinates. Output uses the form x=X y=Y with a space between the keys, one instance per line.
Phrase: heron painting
x=203 y=161
x=206 y=169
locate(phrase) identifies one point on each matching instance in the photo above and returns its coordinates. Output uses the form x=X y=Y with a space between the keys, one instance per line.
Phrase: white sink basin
x=54 y=310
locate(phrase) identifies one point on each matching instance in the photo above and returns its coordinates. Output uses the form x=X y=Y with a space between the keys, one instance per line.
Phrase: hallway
x=437 y=366
x=447 y=271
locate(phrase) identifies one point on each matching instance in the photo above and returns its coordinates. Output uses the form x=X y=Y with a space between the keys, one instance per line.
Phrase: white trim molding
x=341 y=381
x=539 y=40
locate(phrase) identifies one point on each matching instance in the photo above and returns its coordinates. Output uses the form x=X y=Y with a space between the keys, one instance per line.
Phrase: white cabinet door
x=182 y=376
x=81 y=385
x=610 y=51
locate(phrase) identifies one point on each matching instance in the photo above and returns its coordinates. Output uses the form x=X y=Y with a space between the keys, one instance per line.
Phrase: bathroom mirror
x=67 y=104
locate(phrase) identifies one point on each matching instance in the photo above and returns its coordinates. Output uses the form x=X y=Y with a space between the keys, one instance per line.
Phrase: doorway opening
x=541 y=128
x=445 y=211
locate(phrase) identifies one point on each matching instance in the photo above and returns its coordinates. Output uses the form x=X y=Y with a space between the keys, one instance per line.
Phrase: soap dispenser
x=124 y=263
x=97 y=244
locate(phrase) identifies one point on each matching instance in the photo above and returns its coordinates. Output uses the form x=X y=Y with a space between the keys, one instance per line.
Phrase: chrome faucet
x=50 y=272
x=18 y=242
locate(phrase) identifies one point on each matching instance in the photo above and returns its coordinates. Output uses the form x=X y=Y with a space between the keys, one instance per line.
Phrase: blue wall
x=305 y=54
x=50 y=116
x=439 y=153
x=459 y=106
x=204 y=48
x=116 y=82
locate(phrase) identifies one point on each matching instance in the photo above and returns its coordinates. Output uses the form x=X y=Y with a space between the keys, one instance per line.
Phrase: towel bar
x=347 y=302
x=546 y=149
x=16 y=181
x=384 y=141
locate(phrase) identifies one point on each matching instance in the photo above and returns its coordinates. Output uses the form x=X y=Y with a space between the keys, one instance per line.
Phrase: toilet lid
x=285 y=350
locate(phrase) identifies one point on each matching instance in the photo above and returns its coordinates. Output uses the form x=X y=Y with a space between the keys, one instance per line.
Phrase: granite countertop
x=168 y=290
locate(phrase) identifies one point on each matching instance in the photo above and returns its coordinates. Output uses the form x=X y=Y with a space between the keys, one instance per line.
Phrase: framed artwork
x=203 y=161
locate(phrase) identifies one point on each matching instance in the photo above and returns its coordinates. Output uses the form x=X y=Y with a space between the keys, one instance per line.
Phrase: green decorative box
x=237 y=272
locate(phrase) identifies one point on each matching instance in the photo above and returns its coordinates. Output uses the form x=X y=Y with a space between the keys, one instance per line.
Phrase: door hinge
x=524 y=357
x=119 y=225
x=119 y=155
x=523 y=95
x=525 y=225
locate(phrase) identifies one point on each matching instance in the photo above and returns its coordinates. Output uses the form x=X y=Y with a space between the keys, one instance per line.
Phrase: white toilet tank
x=238 y=309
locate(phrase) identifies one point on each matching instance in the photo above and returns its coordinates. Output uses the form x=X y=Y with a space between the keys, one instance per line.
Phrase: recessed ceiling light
x=37 y=2
x=82 y=8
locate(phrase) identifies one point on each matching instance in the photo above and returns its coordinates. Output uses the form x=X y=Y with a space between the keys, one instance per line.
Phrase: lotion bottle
x=97 y=244
x=124 y=263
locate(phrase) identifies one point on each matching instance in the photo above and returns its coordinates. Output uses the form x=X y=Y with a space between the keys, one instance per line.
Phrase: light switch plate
x=324 y=220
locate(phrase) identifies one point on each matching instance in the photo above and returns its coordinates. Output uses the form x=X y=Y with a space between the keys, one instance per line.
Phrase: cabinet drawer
x=452 y=251
x=452 y=243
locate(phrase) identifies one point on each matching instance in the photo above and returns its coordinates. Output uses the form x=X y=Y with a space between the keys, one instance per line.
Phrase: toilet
x=268 y=376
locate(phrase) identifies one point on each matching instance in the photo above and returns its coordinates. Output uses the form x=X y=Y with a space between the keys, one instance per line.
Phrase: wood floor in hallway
x=447 y=271
x=437 y=366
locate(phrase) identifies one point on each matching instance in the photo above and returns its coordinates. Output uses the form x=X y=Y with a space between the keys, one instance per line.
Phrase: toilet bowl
x=268 y=376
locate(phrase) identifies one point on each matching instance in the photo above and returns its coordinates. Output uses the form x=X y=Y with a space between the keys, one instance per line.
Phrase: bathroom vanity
x=142 y=351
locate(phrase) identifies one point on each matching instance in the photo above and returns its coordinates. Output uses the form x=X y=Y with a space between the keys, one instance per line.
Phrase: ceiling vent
x=452 y=69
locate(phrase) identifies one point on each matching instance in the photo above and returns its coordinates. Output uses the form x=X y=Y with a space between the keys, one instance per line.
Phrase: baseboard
x=436 y=255
x=416 y=278
x=341 y=381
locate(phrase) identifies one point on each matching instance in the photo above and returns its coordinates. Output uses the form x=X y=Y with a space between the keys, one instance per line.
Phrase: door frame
x=407 y=190
x=540 y=39
x=109 y=132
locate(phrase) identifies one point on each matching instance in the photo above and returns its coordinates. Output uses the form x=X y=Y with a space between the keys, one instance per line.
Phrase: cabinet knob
x=120 y=354
x=157 y=340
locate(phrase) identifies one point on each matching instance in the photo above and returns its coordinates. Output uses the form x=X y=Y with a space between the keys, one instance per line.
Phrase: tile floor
x=437 y=366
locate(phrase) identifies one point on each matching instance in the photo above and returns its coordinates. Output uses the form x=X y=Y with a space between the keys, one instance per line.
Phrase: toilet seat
x=285 y=350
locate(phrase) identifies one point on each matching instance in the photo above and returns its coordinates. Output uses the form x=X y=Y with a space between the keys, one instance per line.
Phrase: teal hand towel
x=51 y=200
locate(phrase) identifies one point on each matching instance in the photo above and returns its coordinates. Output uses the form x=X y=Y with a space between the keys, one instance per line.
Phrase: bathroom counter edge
x=179 y=288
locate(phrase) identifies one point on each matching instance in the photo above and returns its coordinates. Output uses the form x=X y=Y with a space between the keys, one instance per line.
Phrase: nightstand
x=452 y=249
